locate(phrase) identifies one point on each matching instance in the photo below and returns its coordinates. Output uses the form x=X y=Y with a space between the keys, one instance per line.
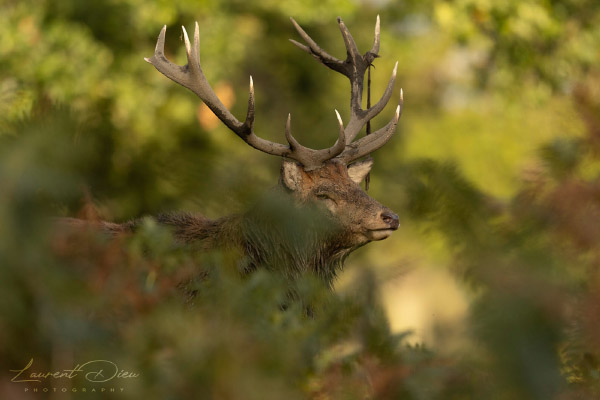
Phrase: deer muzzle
x=388 y=222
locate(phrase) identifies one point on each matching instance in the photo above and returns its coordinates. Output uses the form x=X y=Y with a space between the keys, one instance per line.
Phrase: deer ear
x=291 y=174
x=359 y=170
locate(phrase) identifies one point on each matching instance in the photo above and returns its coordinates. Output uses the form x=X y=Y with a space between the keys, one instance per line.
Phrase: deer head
x=326 y=178
x=335 y=189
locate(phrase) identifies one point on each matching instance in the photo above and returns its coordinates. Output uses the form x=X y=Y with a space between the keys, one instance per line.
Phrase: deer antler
x=354 y=68
x=192 y=77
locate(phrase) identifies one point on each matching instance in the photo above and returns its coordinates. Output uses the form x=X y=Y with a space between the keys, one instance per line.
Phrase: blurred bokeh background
x=489 y=290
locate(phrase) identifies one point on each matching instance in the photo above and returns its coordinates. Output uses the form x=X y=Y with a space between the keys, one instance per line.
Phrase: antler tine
x=188 y=50
x=346 y=67
x=316 y=51
x=196 y=42
x=340 y=144
x=374 y=141
x=160 y=43
x=294 y=144
x=377 y=37
x=351 y=47
x=250 y=113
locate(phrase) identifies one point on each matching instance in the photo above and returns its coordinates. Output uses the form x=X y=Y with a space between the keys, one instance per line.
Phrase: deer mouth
x=380 y=234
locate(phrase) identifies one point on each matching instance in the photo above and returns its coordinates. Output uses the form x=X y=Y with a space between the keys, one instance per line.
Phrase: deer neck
x=292 y=239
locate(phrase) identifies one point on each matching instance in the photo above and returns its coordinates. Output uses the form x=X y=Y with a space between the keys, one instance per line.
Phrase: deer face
x=334 y=188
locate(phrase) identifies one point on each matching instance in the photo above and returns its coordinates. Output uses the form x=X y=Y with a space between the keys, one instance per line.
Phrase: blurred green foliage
x=494 y=171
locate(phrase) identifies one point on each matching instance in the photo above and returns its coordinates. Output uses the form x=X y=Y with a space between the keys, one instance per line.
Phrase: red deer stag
x=318 y=213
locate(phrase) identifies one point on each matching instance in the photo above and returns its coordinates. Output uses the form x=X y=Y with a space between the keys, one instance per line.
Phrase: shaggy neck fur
x=276 y=233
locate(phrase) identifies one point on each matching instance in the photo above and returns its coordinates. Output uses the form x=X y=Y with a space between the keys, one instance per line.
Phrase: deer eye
x=323 y=196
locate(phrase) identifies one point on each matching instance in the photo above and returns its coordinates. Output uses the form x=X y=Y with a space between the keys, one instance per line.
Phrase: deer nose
x=391 y=219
